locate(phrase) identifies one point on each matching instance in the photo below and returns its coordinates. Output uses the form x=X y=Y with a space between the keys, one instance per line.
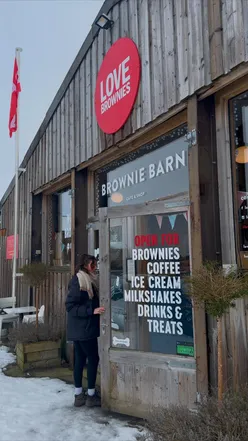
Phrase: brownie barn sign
x=117 y=85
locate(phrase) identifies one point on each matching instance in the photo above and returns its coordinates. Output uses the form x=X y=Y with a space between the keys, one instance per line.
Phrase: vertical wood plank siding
x=234 y=32
x=179 y=45
x=172 y=38
x=183 y=46
x=53 y=296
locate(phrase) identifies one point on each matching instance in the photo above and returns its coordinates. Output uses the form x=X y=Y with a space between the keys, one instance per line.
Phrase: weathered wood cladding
x=153 y=381
x=25 y=237
x=177 y=47
x=183 y=45
x=53 y=296
x=71 y=135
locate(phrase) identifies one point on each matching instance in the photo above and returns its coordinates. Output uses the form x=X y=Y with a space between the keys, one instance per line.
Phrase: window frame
x=133 y=144
x=234 y=178
x=227 y=173
x=67 y=183
x=140 y=154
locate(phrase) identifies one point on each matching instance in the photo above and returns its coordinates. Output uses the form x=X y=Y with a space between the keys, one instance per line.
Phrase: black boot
x=94 y=401
x=79 y=400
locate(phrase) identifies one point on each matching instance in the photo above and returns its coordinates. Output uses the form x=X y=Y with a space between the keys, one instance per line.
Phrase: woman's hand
x=99 y=311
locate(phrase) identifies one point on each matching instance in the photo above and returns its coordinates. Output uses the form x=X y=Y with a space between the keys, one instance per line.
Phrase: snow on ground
x=41 y=410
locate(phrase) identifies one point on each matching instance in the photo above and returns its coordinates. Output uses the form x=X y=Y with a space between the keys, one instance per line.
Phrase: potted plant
x=35 y=274
x=37 y=345
x=217 y=289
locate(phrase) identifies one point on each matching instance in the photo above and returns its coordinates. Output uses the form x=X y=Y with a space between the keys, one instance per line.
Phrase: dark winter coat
x=82 y=324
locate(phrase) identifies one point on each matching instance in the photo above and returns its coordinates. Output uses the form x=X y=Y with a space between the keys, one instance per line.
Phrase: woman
x=83 y=327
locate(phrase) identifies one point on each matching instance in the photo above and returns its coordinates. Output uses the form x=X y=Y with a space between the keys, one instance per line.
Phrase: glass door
x=149 y=258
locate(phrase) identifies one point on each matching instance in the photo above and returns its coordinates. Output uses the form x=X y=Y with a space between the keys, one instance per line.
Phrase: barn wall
x=184 y=45
x=172 y=38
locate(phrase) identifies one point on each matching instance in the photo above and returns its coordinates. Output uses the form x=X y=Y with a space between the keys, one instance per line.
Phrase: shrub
x=216 y=289
x=29 y=333
x=213 y=421
x=173 y=424
x=34 y=273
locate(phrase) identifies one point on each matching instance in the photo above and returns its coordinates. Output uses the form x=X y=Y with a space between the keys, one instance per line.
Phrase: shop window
x=156 y=170
x=149 y=259
x=239 y=138
x=60 y=237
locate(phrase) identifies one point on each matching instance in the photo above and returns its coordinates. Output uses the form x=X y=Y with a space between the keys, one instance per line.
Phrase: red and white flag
x=16 y=88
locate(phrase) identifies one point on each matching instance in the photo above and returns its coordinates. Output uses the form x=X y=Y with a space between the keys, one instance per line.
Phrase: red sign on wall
x=117 y=85
x=10 y=247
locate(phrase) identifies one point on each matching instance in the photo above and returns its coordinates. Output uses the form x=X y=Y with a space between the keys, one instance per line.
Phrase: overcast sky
x=50 y=33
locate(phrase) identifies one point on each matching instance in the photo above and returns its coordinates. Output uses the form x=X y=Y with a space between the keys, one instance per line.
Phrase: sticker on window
x=121 y=342
x=186 y=349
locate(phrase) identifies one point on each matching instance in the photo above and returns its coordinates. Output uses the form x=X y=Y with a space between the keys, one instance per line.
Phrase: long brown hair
x=84 y=261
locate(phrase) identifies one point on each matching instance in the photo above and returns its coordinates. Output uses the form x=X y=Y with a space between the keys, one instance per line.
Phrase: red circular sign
x=117 y=85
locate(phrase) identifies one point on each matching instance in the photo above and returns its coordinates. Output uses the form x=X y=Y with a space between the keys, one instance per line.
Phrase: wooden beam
x=105 y=301
x=167 y=122
x=225 y=182
x=36 y=239
x=81 y=214
x=215 y=38
x=91 y=194
x=44 y=229
x=196 y=251
x=60 y=183
x=236 y=74
x=73 y=189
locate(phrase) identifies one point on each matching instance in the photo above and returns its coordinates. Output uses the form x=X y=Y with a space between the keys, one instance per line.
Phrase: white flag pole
x=17 y=54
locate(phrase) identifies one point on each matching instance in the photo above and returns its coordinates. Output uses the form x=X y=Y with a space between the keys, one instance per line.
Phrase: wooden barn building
x=142 y=159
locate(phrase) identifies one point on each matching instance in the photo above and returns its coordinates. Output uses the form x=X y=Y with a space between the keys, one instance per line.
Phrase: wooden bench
x=7 y=302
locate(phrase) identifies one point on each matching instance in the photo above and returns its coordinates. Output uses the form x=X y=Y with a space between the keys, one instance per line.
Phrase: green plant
x=217 y=290
x=35 y=274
